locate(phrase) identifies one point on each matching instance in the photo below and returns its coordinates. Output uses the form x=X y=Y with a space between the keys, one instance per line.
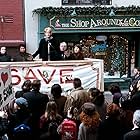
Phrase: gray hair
x=136 y=118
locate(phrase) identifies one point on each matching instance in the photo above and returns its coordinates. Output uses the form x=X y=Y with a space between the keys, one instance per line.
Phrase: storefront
x=111 y=34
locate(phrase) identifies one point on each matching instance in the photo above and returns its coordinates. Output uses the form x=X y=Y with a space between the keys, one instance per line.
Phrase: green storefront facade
x=112 y=34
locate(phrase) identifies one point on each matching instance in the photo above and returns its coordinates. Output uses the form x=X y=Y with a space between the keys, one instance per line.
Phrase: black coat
x=109 y=129
x=5 y=58
x=37 y=104
x=43 y=50
x=132 y=135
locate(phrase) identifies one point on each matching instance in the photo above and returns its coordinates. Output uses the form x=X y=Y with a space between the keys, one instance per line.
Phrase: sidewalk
x=108 y=95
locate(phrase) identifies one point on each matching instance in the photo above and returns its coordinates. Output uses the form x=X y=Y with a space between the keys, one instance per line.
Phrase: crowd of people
x=49 y=50
x=81 y=115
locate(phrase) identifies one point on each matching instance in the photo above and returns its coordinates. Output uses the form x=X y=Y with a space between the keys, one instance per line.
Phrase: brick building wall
x=11 y=24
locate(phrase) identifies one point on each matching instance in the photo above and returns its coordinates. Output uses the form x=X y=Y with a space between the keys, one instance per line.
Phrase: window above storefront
x=93 y=11
x=86 y=2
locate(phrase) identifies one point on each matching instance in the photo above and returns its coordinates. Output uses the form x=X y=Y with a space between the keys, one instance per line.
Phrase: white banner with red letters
x=90 y=72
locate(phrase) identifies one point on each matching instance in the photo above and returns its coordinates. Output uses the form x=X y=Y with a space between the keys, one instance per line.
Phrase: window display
x=113 y=49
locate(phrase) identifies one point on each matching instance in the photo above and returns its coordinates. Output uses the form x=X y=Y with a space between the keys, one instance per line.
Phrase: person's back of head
x=36 y=84
x=113 y=111
x=56 y=90
x=21 y=103
x=114 y=88
x=125 y=103
x=27 y=86
x=77 y=83
x=94 y=92
x=89 y=116
x=96 y=96
x=136 y=118
x=51 y=109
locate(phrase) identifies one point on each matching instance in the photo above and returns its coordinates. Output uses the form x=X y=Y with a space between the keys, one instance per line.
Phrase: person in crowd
x=37 y=104
x=116 y=92
x=68 y=128
x=49 y=122
x=77 y=97
x=64 y=52
x=78 y=55
x=60 y=100
x=134 y=134
x=26 y=87
x=126 y=115
x=135 y=84
x=3 y=124
x=48 y=47
x=136 y=101
x=90 y=120
x=4 y=57
x=21 y=115
x=110 y=128
x=97 y=98
x=22 y=54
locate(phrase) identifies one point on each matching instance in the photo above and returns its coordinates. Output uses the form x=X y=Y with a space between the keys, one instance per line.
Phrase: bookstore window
x=112 y=49
x=86 y=2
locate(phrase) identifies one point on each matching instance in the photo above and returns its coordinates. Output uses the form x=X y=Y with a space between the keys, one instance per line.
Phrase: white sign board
x=6 y=92
x=89 y=71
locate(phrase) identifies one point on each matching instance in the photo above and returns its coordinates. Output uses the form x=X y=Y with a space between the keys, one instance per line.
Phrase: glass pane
x=84 y=2
x=112 y=49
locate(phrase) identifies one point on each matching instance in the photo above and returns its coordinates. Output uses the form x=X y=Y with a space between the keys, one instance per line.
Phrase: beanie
x=21 y=102
x=88 y=108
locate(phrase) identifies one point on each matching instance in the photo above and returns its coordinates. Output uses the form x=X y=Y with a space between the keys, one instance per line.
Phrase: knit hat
x=136 y=118
x=21 y=102
x=88 y=108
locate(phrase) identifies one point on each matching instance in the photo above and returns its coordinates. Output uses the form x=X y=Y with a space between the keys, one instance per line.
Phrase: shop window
x=86 y=2
x=112 y=49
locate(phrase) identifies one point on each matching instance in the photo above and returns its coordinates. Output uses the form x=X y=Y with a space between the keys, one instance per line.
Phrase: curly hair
x=90 y=121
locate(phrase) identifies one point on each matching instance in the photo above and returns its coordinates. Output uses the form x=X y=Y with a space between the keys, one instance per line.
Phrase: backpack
x=69 y=130
x=22 y=131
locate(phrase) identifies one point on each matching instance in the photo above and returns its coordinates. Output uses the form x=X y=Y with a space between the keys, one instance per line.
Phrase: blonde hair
x=48 y=29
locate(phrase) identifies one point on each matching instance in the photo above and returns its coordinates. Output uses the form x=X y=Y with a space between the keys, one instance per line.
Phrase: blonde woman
x=48 y=47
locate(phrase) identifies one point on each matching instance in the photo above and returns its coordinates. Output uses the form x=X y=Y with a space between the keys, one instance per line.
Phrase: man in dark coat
x=134 y=84
x=22 y=54
x=37 y=104
x=48 y=47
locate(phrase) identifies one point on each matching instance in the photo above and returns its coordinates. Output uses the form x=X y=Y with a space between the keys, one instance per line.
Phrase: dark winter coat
x=23 y=57
x=5 y=58
x=43 y=50
x=132 y=135
x=37 y=105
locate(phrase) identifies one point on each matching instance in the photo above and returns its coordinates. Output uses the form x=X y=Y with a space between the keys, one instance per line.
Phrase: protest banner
x=6 y=91
x=90 y=72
